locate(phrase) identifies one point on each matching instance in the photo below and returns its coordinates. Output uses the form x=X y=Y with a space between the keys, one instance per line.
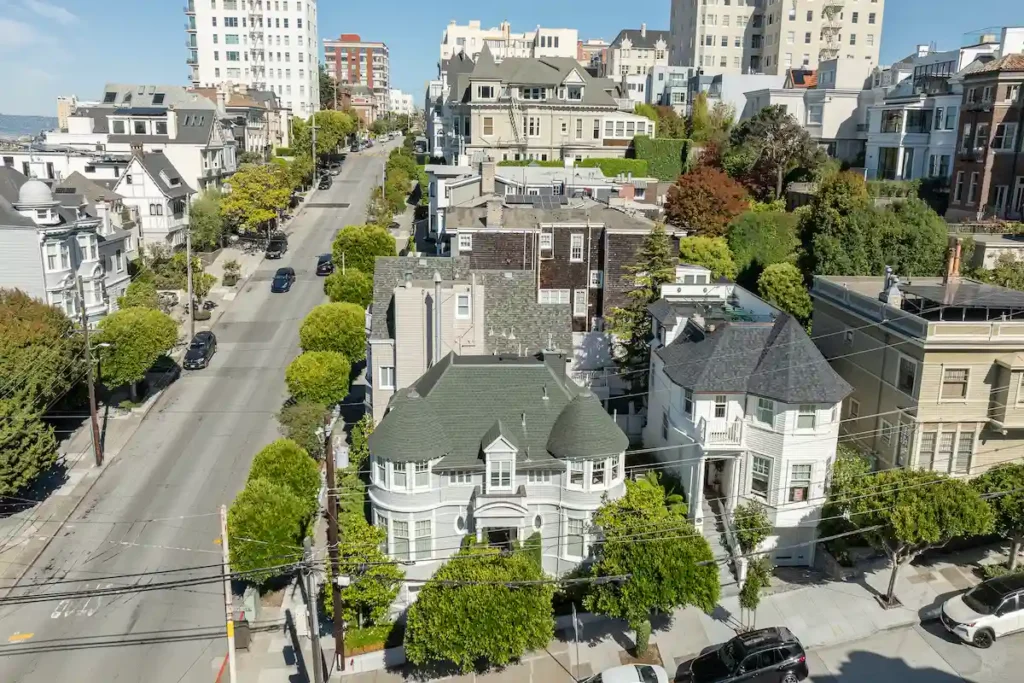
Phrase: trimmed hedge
x=894 y=188
x=553 y=163
x=284 y=152
x=665 y=157
x=614 y=167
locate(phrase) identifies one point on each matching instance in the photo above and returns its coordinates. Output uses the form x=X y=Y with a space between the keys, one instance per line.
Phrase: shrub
x=893 y=188
x=711 y=252
x=139 y=294
x=319 y=377
x=351 y=286
x=339 y=327
x=614 y=167
x=300 y=422
x=782 y=284
x=664 y=156
x=284 y=152
x=286 y=463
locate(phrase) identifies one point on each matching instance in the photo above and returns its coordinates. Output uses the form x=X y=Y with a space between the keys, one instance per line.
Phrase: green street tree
x=750 y=521
x=631 y=326
x=339 y=327
x=711 y=252
x=257 y=196
x=783 y=285
x=300 y=422
x=286 y=463
x=705 y=200
x=136 y=338
x=27 y=445
x=779 y=144
x=206 y=221
x=319 y=377
x=40 y=353
x=373 y=581
x=139 y=294
x=1005 y=486
x=378 y=210
x=349 y=286
x=492 y=623
x=358 y=246
x=905 y=512
x=333 y=127
x=266 y=522
x=759 y=238
x=328 y=89
x=359 y=453
x=663 y=571
x=758 y=578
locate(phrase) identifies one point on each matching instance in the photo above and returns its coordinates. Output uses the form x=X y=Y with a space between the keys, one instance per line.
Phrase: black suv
x=277 y=246
x=200 y=351
x=767 y=655
x=325 y=264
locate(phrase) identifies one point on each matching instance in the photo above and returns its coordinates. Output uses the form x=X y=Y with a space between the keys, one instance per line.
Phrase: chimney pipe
x=952 y=261
x=957 y=252
x=437 y=317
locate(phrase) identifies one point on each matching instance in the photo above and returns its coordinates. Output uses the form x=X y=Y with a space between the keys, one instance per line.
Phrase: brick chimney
x=953 y=255
x=494 y=213
x=487 y=169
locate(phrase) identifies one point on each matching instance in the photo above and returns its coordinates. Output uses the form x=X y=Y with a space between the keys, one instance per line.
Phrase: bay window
x=799 y=482
x=539 y=477
x=598 y=471
x=400 y=543
x=765 y=410
x=576 y=474
x=381 y=471
x=422 y=540
x=422 y=475
x=806 y=417
x=399 y=478
x=574 y=544
x=760 y=475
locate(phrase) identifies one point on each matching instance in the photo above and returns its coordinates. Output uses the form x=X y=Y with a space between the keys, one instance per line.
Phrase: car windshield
x=197 y=344
x=729 y=654
x=983 y=599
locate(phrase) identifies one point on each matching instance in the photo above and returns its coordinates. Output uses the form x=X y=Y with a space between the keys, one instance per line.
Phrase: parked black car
x=767 y=655
x=326 y=181
x=284 y=278
x=277 y=246
x=325 y=264
x=200 y=351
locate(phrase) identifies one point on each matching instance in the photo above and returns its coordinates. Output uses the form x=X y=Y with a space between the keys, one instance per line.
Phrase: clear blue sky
x=54 y=47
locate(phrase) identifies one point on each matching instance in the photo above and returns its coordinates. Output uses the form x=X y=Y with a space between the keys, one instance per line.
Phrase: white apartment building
x=637 y=52
x=400 y=102
x=750 y=405
x=263 y=44
x=770 y=36
x=470 y=39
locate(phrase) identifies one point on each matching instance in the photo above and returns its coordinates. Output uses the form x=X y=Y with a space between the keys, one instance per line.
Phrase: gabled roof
x=486 y=67
x=774 y=360
x=642 y=41
x=165 y=175
x=89 y=189
x=459 y=406
x=1011 y=62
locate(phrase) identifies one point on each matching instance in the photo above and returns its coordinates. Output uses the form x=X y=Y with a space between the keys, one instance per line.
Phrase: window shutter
x=780 y=419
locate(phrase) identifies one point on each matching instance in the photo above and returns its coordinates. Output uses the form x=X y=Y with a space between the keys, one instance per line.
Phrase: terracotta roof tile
x=1014 y=62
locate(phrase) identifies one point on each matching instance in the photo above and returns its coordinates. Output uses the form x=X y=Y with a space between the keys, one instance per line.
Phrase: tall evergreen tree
x=654 y=266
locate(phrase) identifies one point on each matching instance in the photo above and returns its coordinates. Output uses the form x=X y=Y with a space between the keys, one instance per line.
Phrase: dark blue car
x=283 y=280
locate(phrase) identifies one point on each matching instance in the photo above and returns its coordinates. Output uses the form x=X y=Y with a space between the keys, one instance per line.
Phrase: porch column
x=898 y=171
x=697 y=493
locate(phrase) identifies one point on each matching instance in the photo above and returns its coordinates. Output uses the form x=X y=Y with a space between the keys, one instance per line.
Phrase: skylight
x=158 y=98
x=108 y=98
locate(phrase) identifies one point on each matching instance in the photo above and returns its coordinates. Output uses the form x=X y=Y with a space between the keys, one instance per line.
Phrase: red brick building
x=355 y=62
x=988 y=170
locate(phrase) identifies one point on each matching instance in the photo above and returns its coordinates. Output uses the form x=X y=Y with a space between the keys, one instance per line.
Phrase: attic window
x=142 y=90
x=174 y=182
x=108 y=98
x=158 y=98
x=127 y=99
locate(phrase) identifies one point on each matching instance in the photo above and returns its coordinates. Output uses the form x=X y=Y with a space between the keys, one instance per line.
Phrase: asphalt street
x=156 y=506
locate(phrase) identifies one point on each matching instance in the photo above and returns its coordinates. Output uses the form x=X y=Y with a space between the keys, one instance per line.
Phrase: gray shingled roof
x=665 y=311
x=510 y=303
x=197 y=131
x=520 y=216
x=91 y=190
x=645 y=42
x=156 y=163
x=461 y=404
x=777 y=361
x=549 y=71
x=10 y=184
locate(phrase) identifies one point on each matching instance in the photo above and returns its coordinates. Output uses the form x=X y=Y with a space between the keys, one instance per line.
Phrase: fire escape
x=831 y=25
x=515 y=115
x=257 y=56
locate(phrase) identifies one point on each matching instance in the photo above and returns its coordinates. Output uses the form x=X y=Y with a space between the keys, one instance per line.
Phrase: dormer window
x=575 y=92
x=499 y=473
x=109 y=97
x=118 y=127
x=139 y=127
x=485 y=92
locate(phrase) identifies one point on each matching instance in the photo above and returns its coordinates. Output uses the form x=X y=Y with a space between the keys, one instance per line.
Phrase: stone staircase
x=714 y=532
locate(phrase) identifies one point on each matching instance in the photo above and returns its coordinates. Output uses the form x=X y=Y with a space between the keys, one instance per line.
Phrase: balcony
x=192 y=61
x=190 y=8
x=716 y=434
x=191 y=43
x=973 y=155
x=190 y=27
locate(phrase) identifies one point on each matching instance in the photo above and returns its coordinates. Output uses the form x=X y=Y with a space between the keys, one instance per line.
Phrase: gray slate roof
x=645 y=42
x=510 y=303
x=156 y=163
x=197 y=132
x=91 y=190
x=665 y=311
x=460 y=405
x=516 y=217
x=540 y=71
x=777 y=361
x=10 y=184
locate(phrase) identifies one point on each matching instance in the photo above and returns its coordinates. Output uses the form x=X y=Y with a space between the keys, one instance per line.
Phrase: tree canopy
x=339 y=327
x=1005 y=485
x=266 y=524
x=333 y=129
x=773 y=142
x=27 y=445
x=300 y=422
x=759 y=238
x=286 y=463
x=351 y=285
x=319 y=377
x=782 y=284
x=140 y=293
x=358 y=246
x=664 y=568
x=705 y=200
x=136 y=338
x=373 y=581
x=206 y=221
x=257 y=195
x=472 y=623
x=711 y=252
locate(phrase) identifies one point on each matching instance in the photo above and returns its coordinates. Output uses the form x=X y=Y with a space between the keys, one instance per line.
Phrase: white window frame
x=576 y=248
x=802 y=412
x=459 y=298
x=721 y=401
x=966 y=383
x=384 y=384
x=887 y=432
x=496 y=465
x=539 y=476
x=596 y=279
x=756 y=475
x=465 y=241
x=396 y=469
x=460 y=478
x=688 y=403
x=380 y=472
x=545 y=241
x=118 y=261
x=553 y=296
x=793 y=480
x=917 y=372
x=854 y=411
x=604 y=469
x=765 y=404
x=582 y=534
x=576 y=467
x=418 y=469
x=579 y=303
x=51 y=250
x=393 y=536
x=421 y=554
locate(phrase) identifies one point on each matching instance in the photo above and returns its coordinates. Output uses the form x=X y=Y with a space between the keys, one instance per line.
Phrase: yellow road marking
x=20 y=637
x=216 y=541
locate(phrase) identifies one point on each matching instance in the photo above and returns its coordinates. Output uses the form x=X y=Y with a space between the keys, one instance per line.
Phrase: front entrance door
x=502 y=537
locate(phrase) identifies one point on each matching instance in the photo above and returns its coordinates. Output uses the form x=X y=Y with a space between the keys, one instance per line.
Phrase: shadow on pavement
x=868 y=666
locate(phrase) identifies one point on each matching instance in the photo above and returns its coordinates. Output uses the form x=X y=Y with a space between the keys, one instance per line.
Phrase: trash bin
x=243 y=632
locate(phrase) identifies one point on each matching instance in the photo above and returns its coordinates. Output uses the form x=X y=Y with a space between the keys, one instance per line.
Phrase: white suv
x=990 y=610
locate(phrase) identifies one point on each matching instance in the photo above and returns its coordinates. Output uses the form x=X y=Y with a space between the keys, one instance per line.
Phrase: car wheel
x=983 y=639
x=789 y=677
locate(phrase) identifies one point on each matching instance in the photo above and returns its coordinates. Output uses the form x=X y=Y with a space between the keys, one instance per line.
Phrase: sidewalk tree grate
x=327 y=205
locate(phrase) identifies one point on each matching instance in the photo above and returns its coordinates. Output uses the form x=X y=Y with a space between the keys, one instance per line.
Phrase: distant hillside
x=14 y=126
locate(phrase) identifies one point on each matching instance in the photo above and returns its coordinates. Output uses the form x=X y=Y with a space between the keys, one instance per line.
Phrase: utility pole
x=188 y=270
x=314 y=127
x=333 y=539
x=314 y=622
x=229 y=611
x=90 y=379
